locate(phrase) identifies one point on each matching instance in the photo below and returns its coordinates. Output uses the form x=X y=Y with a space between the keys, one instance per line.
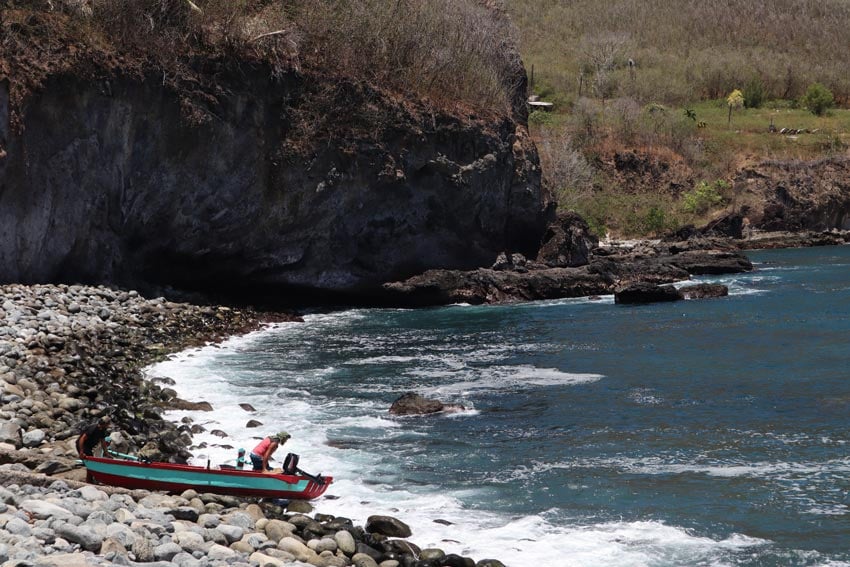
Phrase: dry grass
x=443 y=50
x=688 y=49
x=449 y=52
x=688 y=56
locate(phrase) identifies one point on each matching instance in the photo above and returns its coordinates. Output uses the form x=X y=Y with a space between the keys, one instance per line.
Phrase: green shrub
x=754 y=94
x=540 y=117
x=655 y=220
x=818 y=99
x=703 y=197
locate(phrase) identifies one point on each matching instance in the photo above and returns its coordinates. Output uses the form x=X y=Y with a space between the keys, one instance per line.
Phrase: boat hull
x=177 y=478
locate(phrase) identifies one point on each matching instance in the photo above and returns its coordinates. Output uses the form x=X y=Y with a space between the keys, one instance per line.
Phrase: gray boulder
x=85 y=537
x=166 y=551
x=33 y=438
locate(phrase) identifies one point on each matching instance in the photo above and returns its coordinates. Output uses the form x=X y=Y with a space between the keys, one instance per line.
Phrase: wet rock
x=703 y=291
x=179 y=404
x=700 y=262
x=388 y=526
x=454 y=560
x=646 y=293
x=363 y=560
x=414 y=404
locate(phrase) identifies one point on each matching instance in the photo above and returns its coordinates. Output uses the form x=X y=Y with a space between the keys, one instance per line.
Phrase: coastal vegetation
x=650 y=102
x=656 y=81
x=449 y=54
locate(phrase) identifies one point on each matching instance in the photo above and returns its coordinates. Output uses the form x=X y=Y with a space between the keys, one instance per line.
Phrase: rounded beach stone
x=121 y=533
x=113 y=546
x=87 y=538
x=454 y=560
x=143 y=550
x=346 y=542
x=299 y=507
x=189 y=541
x=33 y=438
x=220 y=553
x=166 y=551
x=278 y=529
x=296 y=548
x=324 y=544
x=231 y=533
x=209 y=520
x=93 y=494
x=432 y=554
x=363 y=560
x=258 y=558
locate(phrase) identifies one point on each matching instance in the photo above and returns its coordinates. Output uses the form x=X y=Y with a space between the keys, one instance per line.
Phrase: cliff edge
x=232 y=173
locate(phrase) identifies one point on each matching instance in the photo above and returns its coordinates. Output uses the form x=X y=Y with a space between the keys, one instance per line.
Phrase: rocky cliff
x=796 y=195
x=103 y=179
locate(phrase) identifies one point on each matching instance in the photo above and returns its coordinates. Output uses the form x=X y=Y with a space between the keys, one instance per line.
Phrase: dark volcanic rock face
x=641 y=269
x=798 y=195
x=107 y=183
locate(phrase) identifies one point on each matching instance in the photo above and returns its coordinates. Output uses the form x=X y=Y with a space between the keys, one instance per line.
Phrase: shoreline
x=59 y=346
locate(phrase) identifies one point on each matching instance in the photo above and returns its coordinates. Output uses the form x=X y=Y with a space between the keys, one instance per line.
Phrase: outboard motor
x=290 y=464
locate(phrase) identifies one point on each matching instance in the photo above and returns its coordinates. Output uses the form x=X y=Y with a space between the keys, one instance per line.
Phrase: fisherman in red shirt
x=262 y=453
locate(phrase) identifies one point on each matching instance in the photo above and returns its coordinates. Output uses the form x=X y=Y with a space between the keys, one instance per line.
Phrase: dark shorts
x=256 y=462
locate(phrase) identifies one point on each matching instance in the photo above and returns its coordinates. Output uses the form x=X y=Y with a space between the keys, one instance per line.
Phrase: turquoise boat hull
x=177 y=478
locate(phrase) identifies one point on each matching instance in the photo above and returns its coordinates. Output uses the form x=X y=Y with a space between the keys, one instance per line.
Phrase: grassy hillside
x=687 y=49
x=652 y=79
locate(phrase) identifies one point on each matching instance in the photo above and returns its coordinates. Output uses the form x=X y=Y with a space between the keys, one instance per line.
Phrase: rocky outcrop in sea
x=572 y=263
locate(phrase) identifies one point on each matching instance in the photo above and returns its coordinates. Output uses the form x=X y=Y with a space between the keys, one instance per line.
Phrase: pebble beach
x=72 y=353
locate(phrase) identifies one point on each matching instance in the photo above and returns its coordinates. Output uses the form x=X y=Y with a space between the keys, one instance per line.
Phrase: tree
x=599 y=57
x=754 y=93
x=818 y=99
x=735 y=100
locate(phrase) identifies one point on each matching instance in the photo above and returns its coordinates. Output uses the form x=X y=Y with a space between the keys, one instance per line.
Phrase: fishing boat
x=289 y=483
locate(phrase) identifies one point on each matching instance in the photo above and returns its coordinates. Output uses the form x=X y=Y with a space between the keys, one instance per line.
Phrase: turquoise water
x=709 y=432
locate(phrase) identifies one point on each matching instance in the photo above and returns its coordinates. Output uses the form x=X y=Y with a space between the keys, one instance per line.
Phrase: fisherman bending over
x=93 y=435
x=262 y=453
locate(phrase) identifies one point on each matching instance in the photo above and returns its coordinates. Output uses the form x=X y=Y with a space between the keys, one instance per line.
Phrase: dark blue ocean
x=709 y=432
